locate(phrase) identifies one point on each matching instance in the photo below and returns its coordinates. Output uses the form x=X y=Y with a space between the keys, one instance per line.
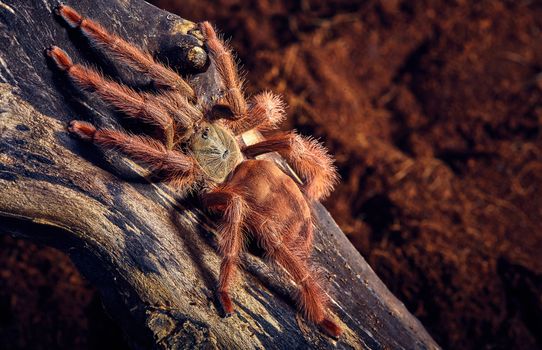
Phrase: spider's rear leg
x=230 y=237
x=308 y=158
x=172 y=166
x=311 y=298
x=133 y=104
x=126 y=53
x=304 y=241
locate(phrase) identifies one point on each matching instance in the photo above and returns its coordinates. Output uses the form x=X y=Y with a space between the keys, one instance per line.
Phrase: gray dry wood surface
x=151 y=254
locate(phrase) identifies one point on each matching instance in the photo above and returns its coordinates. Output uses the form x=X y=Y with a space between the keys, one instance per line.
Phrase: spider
x=199 y=148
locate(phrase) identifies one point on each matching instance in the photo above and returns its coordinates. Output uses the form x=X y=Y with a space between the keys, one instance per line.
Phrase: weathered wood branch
x=152 y=256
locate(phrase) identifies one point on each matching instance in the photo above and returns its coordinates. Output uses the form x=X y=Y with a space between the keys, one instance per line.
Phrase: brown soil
x=46 y=304
x=431 y=109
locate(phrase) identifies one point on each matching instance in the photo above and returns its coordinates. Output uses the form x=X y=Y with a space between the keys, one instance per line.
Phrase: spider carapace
x=200 y=149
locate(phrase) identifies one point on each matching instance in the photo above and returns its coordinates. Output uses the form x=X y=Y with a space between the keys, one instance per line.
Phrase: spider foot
x=330 y=328
x=56 y=5
x=61 y=58
x=72 y=17
x=227 y=304
x=83 y=130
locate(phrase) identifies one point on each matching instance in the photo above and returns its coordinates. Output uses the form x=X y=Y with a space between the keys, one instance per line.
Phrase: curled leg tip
x=47 y=51
x=83 y=130
x=50 y=49
x=226 y=303
x=331 y=328
x=207 y=30
x=61 y=58
x=72 y=17
x=57 y=7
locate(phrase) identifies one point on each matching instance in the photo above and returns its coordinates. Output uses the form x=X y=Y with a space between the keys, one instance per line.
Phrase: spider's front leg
x=126 y=100
x=226 y=67
x=126 y=53
x=172 y=166
x=233 y=207
x=266 y=110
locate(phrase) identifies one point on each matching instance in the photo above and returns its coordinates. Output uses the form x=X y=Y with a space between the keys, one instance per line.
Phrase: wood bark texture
x=151 y=254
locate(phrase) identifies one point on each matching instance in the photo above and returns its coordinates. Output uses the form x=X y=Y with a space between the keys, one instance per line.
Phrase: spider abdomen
x=278 y=212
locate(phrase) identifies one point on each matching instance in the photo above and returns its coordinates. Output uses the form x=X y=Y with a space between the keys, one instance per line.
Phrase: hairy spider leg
x=172 y=166
x=226 y=67
x=308 y=158
x=230 y=237
x=266 y=112
x=278 y=215
x=126 y=53
x=303 y=240
x=126 y=100
x=311 y=298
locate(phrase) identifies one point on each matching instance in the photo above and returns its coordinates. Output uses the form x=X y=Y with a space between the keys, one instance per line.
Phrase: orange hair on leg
x=172 y=166
x=132 y=103
x=230 y=237
x=125 y=52
x=226 y=67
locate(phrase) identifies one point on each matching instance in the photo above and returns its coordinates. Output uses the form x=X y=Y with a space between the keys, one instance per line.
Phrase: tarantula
x=201 y=149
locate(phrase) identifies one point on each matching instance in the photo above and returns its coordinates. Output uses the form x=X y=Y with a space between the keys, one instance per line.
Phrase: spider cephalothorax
x=202 y=146
x=215 y=149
